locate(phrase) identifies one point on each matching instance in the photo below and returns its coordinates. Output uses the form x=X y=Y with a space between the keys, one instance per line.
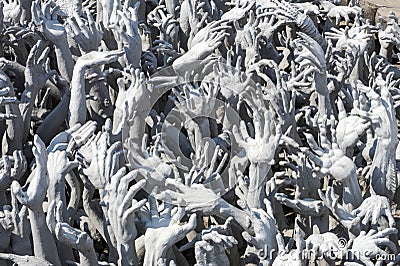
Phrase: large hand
x=36 y=192
x=370 y=245
x=135 y=98
x=121 y=205
x=329 y=158
x=306 y=207
x=286 y=254
x=72 y=138
x=264 y=226
x=210 y=249
x=164 y=229
x=127 y=34
x=120 y=208
x=47 y=22
x=267 y=133
x=339 y=12
x=100 y=161
x=88 y=36
x=372 y=209
x=36 y=71
x=13 y=167
x=350 y=126
x=11 y=11
x=331 y=200
x=59 y=165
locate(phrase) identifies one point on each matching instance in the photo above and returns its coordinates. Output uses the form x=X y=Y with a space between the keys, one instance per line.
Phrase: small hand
x=163 y=229
x=372 y=244
x=88 y=36
x=47 y=22
x=36 y=192
x=267 y=133
x=121 y=205
x=372 y=209
x=37 y=70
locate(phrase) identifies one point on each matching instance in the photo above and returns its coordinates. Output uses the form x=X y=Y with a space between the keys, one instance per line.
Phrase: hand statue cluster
x=198 y=133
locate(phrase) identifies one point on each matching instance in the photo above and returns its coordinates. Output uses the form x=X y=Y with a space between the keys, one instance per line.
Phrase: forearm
x=26 y=107
x=75 y=196
x=24 y=259
x=127 y=253
x=43 y=241
x=152 y=253
x=52 y=123
x=137 y=132
x=352 y=197
x=65 y=62
x=383 y=175
x=26 y=15
x=56 y=190
x=88 y=257
x=203 y=129
x=258 y=175
x=94 y=216
x=387 y=52
x=77 y=104
x=226 y=210
x=324 y=103
x=14 y=131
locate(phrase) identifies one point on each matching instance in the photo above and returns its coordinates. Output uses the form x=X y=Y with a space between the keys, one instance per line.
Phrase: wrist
x=127 y=252
x=153 y=252
x=61 y=43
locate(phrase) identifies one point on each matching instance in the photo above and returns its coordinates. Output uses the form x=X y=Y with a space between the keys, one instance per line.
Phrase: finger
x=243 y=131
x=191 y=224
x=7 y=100
x=135 y=207
x=153 y=206
x=237 y=136
x=386 y=232
x=176 y=218
x=133 y=190
x=367 y=218
x=84 y=29
x=14 y=203
x=32 y=55
x=46 y=11
x=20 y=195
x=166 y=213
x=387 y=243
x=71 y=165
x=115 y=179
x=280 y=241
x=35 y=12
x=43 y=56
x=121 y=187
x=249 y=239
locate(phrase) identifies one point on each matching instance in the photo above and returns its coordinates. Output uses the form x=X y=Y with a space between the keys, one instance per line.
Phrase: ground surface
x=376 y=8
